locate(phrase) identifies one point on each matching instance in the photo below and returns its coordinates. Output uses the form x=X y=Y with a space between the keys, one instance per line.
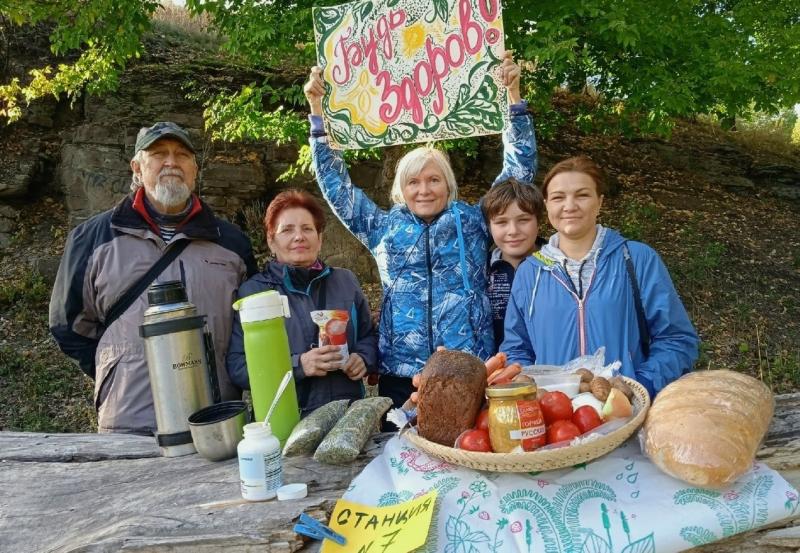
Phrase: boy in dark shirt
x=512 y=210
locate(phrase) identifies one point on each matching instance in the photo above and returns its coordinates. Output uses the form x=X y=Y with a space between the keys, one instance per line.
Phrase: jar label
x=531 y=425
x=260 y=474
x=273 y=470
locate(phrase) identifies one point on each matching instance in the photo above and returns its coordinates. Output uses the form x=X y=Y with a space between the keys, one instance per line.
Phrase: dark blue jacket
x=342 y=292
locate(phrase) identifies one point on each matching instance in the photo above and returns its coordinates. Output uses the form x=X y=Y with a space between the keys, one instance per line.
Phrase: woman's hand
x=355 y=368
x=510 y=72
x=319 y=361
x=314 y=90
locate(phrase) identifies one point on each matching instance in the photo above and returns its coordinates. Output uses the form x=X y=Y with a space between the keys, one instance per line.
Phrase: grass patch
x=700 y=260
x=44 y=393
x=30 y=291
x=41 y=391
x=637 y=219
x=176 y=23
x=762 y=133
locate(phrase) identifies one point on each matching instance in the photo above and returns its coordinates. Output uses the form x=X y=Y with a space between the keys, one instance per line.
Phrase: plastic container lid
x=292 y=491
x=262 y=306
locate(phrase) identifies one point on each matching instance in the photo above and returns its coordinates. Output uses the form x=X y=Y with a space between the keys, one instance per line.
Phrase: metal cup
x=217 y=429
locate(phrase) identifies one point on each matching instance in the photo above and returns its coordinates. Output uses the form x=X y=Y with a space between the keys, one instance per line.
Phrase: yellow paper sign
x=396 y=529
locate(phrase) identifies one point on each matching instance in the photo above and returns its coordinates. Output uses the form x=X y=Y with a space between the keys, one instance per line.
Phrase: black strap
x=176 y=438
x=130 y=295
x=644 y=333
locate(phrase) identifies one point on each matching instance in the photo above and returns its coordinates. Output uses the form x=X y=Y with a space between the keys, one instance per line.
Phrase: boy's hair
x=502 y=195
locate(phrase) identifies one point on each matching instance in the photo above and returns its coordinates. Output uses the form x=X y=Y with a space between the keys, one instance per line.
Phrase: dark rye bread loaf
x=451 y=392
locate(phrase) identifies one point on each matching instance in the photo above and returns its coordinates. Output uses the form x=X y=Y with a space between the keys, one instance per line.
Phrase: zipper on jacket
x=570 y=287
x=581 y=327
x=430 y=286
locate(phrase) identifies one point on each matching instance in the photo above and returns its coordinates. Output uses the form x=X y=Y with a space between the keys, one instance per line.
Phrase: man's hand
x=314 y=90
x=355 y=368
x=319 y=361
x=510 y=72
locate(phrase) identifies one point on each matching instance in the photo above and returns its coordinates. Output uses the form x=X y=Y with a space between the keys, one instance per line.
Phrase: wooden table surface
x=113 y=492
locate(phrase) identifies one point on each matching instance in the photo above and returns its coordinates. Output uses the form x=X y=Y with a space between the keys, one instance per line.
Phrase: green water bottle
x=266 y=350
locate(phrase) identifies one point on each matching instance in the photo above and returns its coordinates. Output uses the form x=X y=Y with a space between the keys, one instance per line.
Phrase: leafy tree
x=105 y=34
x=646 y=61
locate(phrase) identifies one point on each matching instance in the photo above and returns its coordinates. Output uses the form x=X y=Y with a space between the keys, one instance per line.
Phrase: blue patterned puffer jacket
x=433 y=275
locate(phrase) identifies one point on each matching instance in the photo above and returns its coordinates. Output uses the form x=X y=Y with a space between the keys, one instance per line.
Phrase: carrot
x=494 y=363
x=504 y=375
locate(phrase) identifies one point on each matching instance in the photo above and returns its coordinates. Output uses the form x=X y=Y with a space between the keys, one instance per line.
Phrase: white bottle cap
x=262 y=306
x=292 y=491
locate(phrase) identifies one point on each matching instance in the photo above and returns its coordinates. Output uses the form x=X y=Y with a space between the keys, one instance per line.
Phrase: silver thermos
x=180 y=376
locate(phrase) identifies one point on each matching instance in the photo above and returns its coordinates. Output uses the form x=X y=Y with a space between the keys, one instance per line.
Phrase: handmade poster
x=404 y=71
x=619 y=503
x=396 y=528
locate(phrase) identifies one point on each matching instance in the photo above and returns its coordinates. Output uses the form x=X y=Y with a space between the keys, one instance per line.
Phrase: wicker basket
x=541 y=460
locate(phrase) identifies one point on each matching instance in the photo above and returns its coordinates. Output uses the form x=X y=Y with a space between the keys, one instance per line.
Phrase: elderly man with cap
x=95 y=311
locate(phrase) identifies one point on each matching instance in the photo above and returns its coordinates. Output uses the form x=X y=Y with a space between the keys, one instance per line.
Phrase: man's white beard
x=170 y=190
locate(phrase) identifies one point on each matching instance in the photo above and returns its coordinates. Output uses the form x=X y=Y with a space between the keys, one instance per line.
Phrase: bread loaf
x=451 y=393
x=706 y=427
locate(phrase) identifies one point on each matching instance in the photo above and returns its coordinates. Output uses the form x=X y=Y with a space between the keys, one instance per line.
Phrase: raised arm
x=356 y=211
x=519 y=140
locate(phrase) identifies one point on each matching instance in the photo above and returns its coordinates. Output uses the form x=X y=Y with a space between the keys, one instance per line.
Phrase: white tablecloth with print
x=620 y=503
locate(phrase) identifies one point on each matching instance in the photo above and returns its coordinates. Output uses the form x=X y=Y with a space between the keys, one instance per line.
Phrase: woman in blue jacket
x=576 y=294
x=430 y=248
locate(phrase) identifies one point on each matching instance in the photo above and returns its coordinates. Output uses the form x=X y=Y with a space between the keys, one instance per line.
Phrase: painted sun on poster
x=405 y=71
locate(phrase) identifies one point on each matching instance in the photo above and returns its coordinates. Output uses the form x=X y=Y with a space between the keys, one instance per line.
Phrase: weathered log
x=91 y=493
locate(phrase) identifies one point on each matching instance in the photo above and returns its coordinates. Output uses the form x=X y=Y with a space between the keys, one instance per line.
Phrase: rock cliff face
x=82 y=151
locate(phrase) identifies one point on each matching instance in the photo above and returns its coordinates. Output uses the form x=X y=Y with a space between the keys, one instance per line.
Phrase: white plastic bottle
x=260 y=467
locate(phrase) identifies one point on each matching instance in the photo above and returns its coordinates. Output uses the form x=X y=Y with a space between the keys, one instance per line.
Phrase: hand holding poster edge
x=399 y=71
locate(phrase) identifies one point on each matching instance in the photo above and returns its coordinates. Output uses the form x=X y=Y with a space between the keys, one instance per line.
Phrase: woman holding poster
x=431 y=249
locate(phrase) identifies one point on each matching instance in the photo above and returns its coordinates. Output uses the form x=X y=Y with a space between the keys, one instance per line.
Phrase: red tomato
x=474 y=440
x=482 y=422
x=586 y=418
x=555 y=406
x=562 y=431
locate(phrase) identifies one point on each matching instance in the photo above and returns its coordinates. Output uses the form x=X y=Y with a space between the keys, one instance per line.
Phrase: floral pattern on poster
x=405 y=71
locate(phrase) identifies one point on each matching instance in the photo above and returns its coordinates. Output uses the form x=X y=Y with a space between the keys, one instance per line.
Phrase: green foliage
x=702 y=258
x=637 y=219
x=241 y=116
x=654 y=60
x=29 y=292
x=62 y=397
x=30 y=366
x=105 y=33
x=646 y=61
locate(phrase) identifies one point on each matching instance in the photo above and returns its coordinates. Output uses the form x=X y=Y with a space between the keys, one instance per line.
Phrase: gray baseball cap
x=163 y=129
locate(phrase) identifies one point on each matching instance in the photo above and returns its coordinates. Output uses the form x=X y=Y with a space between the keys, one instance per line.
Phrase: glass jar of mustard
x=515 y=419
